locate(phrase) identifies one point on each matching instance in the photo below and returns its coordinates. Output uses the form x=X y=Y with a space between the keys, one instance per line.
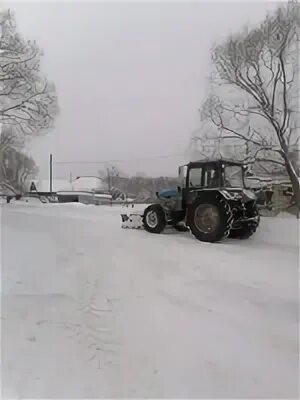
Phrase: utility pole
x=108 y=179
x=51 y=172
x=109 y=183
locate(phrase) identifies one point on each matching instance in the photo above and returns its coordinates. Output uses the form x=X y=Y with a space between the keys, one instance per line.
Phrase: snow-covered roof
x=43 y=185
x=88 y=183
x=83 y=193
x=83 y=183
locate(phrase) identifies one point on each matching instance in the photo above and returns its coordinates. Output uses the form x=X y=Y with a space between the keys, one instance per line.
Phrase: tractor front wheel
x=210 y=218
x=248 y=228
x=245 y=232
x=154 y=219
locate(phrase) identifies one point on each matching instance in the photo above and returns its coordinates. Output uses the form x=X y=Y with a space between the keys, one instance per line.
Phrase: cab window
x=211 y=178
x=195 y=177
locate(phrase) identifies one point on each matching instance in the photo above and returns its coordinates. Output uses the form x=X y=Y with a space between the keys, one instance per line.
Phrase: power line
x=120 y=160
x=205 y=146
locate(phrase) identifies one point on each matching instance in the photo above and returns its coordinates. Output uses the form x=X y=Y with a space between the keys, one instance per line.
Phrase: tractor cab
x=212 y=175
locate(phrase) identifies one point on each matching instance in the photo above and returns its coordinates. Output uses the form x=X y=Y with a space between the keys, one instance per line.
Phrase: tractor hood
x=238 y=194
x=168 y=194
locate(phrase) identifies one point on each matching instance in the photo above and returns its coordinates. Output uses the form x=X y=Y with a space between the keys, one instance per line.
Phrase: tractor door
x=211 y=177
x=194 y=182
x=195 y=178
x=204 y=177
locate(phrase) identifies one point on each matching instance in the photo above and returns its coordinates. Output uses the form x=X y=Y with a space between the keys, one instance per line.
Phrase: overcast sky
x=130 y=76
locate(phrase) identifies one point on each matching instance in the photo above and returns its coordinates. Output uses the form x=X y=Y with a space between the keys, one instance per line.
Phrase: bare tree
x=15 y=166
x=262 y=65
x=27 y=100
x=28 y=103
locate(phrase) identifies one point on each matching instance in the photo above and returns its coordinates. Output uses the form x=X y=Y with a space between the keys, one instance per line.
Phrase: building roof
x=88 y=183
x=43 y=185
x=83 y=183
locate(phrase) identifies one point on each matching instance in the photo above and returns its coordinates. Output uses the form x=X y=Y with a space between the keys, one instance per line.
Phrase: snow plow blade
x=132 y=221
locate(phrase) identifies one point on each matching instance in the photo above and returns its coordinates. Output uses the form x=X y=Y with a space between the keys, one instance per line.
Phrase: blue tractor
x=211 y=201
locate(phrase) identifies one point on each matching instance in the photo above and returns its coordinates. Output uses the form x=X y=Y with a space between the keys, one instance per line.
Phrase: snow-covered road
x=91 y=310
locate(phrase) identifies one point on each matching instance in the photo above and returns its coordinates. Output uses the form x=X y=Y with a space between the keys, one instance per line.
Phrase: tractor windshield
x=234 y=177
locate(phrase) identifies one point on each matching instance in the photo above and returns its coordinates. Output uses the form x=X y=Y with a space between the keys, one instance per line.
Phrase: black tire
x=158 y=221
x=221 y=210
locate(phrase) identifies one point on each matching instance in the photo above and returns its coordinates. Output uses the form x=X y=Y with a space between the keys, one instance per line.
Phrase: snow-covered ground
x=91 y=310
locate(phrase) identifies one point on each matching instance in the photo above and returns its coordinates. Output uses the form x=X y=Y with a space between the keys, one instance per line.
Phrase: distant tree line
x=142 y=188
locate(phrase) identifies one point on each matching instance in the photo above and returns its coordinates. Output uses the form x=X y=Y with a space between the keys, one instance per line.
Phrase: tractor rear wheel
x=154 y=219
x=210 y=218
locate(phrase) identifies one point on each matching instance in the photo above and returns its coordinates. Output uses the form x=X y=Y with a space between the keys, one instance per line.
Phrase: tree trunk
x=291 y=170
x=295 y=182
x=292 y=175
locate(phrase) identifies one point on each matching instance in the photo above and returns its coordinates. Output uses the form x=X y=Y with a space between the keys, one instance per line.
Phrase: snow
x=90 y=310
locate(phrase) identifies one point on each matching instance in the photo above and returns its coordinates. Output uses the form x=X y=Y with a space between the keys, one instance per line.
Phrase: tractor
x=211 y=201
